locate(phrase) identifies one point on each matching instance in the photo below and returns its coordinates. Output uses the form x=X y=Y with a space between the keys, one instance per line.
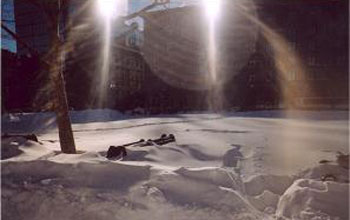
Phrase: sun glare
x=107 y=8
x=212 y=8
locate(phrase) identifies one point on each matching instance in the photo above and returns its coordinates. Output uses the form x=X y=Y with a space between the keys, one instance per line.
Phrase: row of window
x=131 y=63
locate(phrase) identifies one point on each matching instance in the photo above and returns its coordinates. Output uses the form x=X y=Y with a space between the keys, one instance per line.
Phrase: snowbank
x=96 y=115
x=198 y=189
x=264 y=191
x=311 y=199
x=257 y=184
x=19 y=148
x=295 y=114
x=52 y=188
x=224 y=177
x=265 y=202
x=43 y=121
x=339 y=173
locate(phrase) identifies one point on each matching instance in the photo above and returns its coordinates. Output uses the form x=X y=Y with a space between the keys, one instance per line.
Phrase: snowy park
x=175 y=110
x=251 y=165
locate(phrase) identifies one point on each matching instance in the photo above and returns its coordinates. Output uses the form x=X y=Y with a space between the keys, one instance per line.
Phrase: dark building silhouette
x=177 y=48
x=32 y=27
x=19 y=82
x=167 y=69
x=316 y=31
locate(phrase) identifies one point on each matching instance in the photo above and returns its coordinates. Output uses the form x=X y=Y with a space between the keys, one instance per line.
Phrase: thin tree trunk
x=65 y=131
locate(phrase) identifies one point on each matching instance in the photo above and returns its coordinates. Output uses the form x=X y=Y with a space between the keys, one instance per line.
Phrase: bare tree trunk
x=65 y=131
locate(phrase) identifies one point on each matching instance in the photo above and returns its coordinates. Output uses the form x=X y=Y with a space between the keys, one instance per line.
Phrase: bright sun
x=108 y=8
x=212 y=8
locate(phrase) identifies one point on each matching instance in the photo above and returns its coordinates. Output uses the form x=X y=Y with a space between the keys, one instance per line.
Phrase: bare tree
x=54 y=11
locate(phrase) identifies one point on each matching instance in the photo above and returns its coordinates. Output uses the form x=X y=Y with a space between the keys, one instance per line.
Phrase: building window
x=312 y=61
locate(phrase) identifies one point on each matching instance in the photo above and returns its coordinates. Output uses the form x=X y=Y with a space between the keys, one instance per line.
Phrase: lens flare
x=212 y=8
x=108 y=8
x=286 y=61
x=105 y=68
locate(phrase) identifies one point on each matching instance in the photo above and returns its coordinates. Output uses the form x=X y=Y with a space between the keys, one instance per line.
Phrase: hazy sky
x=135 y=5
x=7 y=16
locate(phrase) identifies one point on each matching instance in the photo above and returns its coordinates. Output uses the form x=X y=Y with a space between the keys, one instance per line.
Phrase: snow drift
x=221 y=167
x=310 y=199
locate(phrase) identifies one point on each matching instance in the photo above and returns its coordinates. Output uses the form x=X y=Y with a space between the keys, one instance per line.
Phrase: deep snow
x=253 y=165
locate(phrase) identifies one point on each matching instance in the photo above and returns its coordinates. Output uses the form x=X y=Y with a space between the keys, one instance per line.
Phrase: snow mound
x=181 y=190
x=265 y=202
x=10 y=148
x=310 y=199
x=19 y=148
x=112 y=190
x=264 y=190
x=257 y=184
x=217 y=176
x=90 y=157
x=103 y=175
x=341 y=174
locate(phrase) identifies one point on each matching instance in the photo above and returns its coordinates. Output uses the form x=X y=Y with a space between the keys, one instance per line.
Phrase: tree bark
x=65 y=131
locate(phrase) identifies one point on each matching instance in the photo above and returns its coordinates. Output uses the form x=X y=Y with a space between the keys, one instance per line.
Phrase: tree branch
x=19 y=40
x=144 y=10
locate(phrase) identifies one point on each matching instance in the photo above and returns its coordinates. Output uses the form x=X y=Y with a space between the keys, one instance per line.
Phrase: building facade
x=31 y=27
x=317 y=32
x=167 y=67
x=314 y=32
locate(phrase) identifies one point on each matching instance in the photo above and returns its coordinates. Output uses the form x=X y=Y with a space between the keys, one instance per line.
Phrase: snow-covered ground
x=251 y=165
